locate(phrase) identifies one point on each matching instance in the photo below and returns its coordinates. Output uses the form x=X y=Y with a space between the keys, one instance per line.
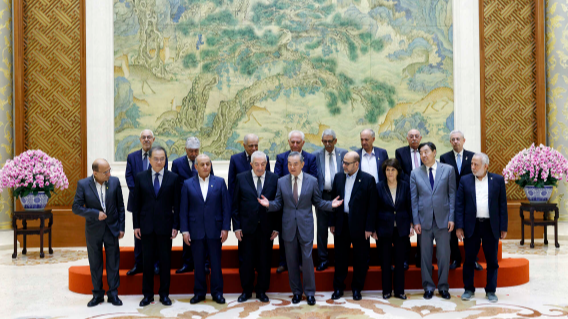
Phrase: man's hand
x=418 y=229
x=263 y=201
x=224 y=235
x=336 y=202
x=332 y=230
x=450 y=227
x=121 y=235
x=174 y=233
x=137 y=233
x=411 y=231
x=102 y=216
x=375 y=236
x=187 y=239
x=503 y=234
x=368 y=234
x=239 y=235
x=459 y=234
x=274 y=234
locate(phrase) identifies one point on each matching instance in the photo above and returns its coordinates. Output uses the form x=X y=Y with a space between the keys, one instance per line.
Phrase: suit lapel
x=209 y=187
x=473 y=194
x=251 y=181
x=453 y=161
x=164 y=180
x=426 y=177
x=398 y=190
x=139 y=163
x=437 y=178
x=355 y=186
x=338 y=160
x=198 y=187
x=321 y=159
x=489 y=189
x=94 y=189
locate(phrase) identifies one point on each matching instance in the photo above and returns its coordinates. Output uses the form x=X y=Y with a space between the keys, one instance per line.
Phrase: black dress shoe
x=445 y=294
x=387 y=296
x=478 y=267
x=281 y=269
x=135 y=270
x=311 y=300
x=357 y=295
x=115 y=301
x=454 y=265
x=405 y=265
x=418 y=264
x=95 y=301
x=166 y=301
x=262 y=297
x=219 y=299
x=244 y=297
x=400 y=296
x=428 y=294
x=196 y=299
x=146 y=301
x=322 y=266
x=337 y=294
x=184 y=269
x=296 y=299
x=156 y=270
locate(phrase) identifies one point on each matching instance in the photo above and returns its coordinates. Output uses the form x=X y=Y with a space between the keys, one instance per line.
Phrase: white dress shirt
x=349 y=182
x=417 y=157
x=159 y=178
x=101 y=192
x=204 y=184
x=434 y=168
x=369 y=164
x=300 y=178
x=327 y=184
x=482 y=197
x=255 y=179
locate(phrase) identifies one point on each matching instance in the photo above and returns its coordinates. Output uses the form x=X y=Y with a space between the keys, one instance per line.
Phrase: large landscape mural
x=219 y=69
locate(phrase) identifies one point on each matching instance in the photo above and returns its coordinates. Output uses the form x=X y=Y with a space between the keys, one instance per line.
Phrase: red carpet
x=512 y=272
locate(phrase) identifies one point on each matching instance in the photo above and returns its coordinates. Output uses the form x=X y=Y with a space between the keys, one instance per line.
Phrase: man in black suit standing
x=156 y=221
x=460 y=159
x=254 y=227
x=99 y=200
x=481 y=216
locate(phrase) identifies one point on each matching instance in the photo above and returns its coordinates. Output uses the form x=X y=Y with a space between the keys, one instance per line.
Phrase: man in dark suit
x=137 y=162
x=328 y=161
x=481 y=216
x=99 y=200
x=254 y=227
x=296 y=140
x=371 y=158
x=460 y=159
x=185 y=167
x=205 y=217
x=241 y=162
x=156 y=221
x=352 y=223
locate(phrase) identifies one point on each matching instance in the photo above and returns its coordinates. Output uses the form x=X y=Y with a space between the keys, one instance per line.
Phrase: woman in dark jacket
x=394 y=224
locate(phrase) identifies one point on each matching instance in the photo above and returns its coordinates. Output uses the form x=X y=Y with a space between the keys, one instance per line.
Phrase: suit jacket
x=180 y=166
x=404 y=157
x=362 y=204
x=427 y=202
x=298 y=216
x=320 y=163
x=156 y=214
x=88 y=205
x=205 y=219
x=466 y=204
x=402 y=205
x=247 y=211
x=449 y=158
x=281 y=166
x=381 y=155
x=239 y=164
x=133 y=167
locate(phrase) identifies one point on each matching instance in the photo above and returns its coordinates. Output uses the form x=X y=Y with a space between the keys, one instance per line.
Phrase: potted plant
x=34 y=176
x=537 y=170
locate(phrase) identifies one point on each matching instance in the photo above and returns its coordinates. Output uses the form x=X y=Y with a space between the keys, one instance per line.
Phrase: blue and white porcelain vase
x=538 y=195
x=34 y=202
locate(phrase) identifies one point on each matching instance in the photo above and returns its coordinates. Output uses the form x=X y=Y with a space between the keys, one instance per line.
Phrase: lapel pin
x=466 y=158
x=211 y=186
x=359 y=181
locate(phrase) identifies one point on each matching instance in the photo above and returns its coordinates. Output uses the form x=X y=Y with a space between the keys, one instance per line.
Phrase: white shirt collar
x=254 y=177
x=352 y=176
x=372 y=152
x=204 y=180
x=300 y=177
x=456 y=153
x=484 y=179
x=161 y=172
x=332 y=152
x=434 y=167
x=97 y=183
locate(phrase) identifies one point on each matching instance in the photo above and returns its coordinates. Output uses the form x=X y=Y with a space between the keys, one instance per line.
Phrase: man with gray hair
x=241 y=162
x=372 y=158
x=329 y=162
x=481 y=216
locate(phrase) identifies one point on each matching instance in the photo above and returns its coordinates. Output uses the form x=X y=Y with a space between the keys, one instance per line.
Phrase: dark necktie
x=295 y=190
x=157 y=183
x=258 y=187
x=193 y=166
x=145 y=162
x=248 y=158
x=431 y=179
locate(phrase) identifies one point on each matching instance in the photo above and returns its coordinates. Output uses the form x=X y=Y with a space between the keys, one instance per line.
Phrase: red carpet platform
x=512 y=272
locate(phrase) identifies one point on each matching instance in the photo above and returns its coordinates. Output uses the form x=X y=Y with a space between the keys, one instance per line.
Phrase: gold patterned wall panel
x=510 y=81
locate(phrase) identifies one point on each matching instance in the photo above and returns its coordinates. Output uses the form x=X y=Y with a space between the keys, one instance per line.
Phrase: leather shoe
x=95 y=301
x=445 y=294
x=262 y=297
x=322 y=266
x=166 y=301
x=244 y=297
x=219 y=299
x=196 y=299
x=418 y=264
x=400 y=296
x=311 y=300
x=184 y=269
x=146 y=301
x=135 y=270
x=478 y=267
x=387 y=296
x=405 y=265
x=296 y=299
x=454 y=265
x=281 y=269
x=336 y=294
x=115 y=301
x=357 y=295
x=428 y=294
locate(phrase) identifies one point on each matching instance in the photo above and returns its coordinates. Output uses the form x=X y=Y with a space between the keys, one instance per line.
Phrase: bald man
x=99 y=200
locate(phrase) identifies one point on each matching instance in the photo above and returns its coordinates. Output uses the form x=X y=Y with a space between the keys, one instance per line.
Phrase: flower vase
x=538 y=195
x=34 y=202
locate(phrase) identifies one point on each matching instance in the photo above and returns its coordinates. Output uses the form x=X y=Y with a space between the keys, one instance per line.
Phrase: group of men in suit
x=264 y=205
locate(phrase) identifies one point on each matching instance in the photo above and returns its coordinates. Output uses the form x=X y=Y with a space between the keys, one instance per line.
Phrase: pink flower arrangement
x=537 y=166
x=31 y=172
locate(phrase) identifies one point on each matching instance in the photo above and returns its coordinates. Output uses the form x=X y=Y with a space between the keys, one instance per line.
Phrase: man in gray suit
x=329 y=161
x=433 y=188
x=296 y=193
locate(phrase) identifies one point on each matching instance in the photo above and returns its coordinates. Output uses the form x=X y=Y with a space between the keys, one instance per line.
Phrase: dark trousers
x=199 y=248
x=343 y=243
x=322 y=229
x=162 y=244
x=187 y=256
x=256 y=250
x=95 y=253
x=139 y=254
x=455 y=253
x=483 y=233
x=400 y=244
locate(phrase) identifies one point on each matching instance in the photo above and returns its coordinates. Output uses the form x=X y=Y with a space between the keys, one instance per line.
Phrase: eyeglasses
x=414 y=136
x=327 y=141
x=105 y=172
x=146 y=137
x=296 y=142
x=252 y=145
x=348 y=163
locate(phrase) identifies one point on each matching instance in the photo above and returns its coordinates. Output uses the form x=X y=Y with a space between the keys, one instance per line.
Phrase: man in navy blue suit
x=481 y=216
x=137 y=162
x=372 y=158
x=205 y=213
x=186 y=168
x=296 y=140
x=241 y=162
